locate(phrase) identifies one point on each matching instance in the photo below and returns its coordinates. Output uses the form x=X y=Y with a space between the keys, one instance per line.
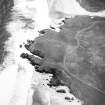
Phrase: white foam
x=17 y=76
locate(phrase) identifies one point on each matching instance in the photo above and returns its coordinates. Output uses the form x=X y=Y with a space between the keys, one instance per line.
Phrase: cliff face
x=75 y=57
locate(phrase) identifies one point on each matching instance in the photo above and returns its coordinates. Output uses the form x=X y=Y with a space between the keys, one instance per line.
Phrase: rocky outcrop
x=75 y=57
x=92 y=5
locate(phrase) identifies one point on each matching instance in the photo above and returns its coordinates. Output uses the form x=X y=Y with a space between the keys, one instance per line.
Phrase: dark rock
x=61 y=91
x=5 y=17
x=33 y=60
x=92 y=5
